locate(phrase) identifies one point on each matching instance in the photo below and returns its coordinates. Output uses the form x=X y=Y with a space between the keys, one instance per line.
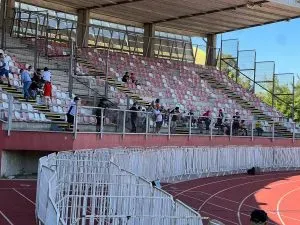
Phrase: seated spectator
x=226 y=126
x=26 y=81
x=4 y=68
x=236 y=123
x=72 y=111
x=125 y=78
x=243 y=128
x=258 y=217
x=258 y=128
x=133 y=79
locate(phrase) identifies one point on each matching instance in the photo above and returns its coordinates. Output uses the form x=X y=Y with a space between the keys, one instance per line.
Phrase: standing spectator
x=133 y=117
x=26 y=81
x=243 y=128
x=46 y=76
x=193 y=120
x=175 y=116
x=72 y=111
x=207 y=120
x=37 y=78
x=258 y=128
x=158 y=119
x=258 y=217
x=236 y=123
x=125 y=78
x=4 y=68
x=142 y=119
x=219 y=123
x=157 y=103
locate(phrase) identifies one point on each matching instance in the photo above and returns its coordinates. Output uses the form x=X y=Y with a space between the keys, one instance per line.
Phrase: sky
x=279 y=42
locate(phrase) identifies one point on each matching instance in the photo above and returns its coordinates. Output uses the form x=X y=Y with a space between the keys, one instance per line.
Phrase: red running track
x=17 y=202
x=230 y=199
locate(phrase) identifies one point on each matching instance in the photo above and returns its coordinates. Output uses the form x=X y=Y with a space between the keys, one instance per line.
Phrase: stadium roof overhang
x=192 y=17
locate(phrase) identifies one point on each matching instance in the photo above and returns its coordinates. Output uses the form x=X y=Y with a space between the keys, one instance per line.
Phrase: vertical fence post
x=147 y=125
x=75 y=121
x=101 y=123
x=71 y=66
x=107 y=70
x=294 y=131
x=211 y=130
x=124 y=124
x=169 y=127
x=273 y=130
x=231 y=122
x=190 y=126
x=10 y=114
x=36 y=45
x=252 y=130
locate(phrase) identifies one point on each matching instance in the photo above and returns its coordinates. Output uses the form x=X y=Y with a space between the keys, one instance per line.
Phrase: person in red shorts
x=48 y=86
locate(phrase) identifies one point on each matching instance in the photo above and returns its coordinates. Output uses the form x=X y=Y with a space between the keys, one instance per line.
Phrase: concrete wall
x=20 y=162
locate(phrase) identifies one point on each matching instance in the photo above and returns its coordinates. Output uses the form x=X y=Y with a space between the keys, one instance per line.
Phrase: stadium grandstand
x=113 y=115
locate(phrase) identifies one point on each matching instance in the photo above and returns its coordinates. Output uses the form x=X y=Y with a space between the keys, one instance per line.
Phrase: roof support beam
x=113 y=4
x=210 y=12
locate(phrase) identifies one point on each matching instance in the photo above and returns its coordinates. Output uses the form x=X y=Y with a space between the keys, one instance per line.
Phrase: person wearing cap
x=258 y=217
x=72 y=111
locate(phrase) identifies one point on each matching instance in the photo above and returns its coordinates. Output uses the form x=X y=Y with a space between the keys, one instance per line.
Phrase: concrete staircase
x=280 y=130
x=93 y=71
x=55 y=118
x=24 y=52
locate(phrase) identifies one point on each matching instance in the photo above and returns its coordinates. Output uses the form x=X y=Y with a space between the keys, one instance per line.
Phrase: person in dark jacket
x=133 y=117
x=100 y=106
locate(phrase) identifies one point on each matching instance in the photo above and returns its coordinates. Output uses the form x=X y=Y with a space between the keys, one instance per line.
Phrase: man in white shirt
x=72 y=111
x=158 y=119
x=4 y=68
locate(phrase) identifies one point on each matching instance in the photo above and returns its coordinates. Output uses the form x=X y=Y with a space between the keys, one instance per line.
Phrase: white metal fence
x=95 y=186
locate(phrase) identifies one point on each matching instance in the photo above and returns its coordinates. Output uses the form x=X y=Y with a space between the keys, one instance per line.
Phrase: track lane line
x=24 y=196
x=6 y=218
x=279 y=202
x=236 y=178
x=275 y=185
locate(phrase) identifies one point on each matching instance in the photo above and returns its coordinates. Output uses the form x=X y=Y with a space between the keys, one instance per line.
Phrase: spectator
x=193 y=120
x=258 y=217
x=4 y=68
x=133 y=117
x=26 y=81
x=125 y=78
x=72 y=111
x=226 y=125
x=37 y=78
x=157 y=103
x=46 y=76
x=158 y=119
x=258 y=128
x=133 y=79
x=219 y=123
x=243 y=128
x=142 y=118
x=236 y=123
x=206 y=119
x=175 y=116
